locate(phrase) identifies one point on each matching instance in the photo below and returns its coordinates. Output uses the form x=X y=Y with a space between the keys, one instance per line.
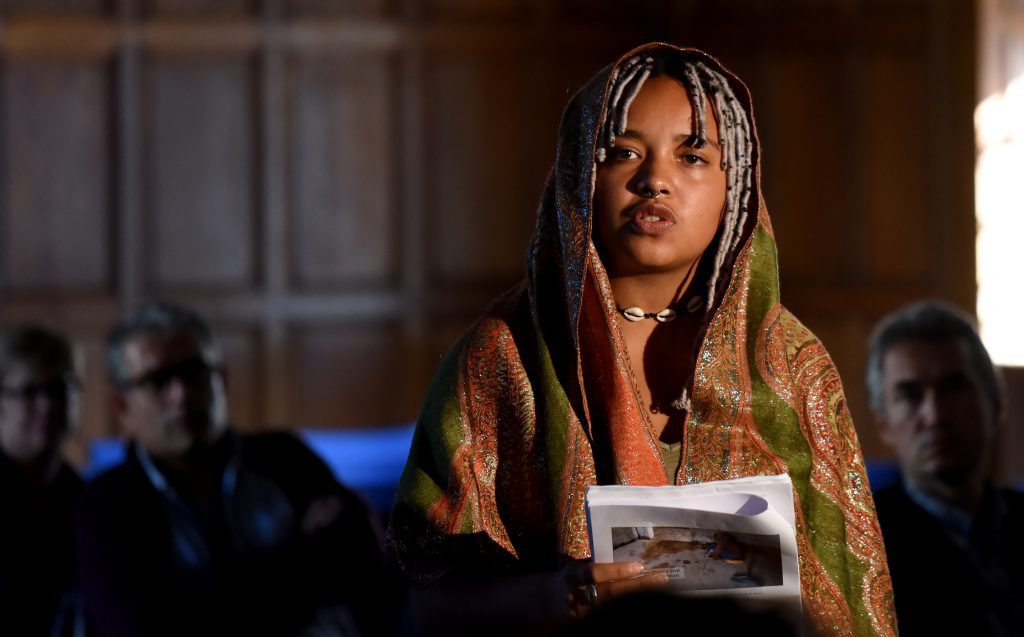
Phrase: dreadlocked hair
x=702 y=84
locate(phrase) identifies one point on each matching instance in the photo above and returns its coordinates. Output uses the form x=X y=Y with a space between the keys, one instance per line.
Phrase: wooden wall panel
x=52 y=6
x=160 y=8
x=243 y=362
x=484 y=167
x=97 y=417
x=350 y=8
x=495 y=10
x=806 y=188
x=203 y=160
x=618 y=12
x=895 y=209
x=342 y=169
x=350 y=376
x=59 y=206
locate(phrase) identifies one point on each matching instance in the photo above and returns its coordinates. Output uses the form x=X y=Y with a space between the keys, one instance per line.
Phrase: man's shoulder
x=67 y=477
x=283 y=456
x=280 y=443
x=890 y=494
x=125 y=477
x=890 y=499
x=120 y=493
x=895 y=507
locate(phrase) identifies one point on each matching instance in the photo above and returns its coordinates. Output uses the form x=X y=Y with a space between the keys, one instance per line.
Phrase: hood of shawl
x=560 y=249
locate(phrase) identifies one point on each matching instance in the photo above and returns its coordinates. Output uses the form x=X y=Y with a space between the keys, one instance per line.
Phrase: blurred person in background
x=953 y=537
x=39 y=395
x=206 y=531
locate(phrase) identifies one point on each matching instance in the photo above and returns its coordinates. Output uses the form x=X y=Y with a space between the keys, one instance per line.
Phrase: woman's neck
x=660 y=352
x=651 y=291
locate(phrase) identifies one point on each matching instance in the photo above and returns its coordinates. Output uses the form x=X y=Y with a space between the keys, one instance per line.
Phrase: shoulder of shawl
x=797 y=334
x=791 y=359
x=809 y=362
x=506 y=321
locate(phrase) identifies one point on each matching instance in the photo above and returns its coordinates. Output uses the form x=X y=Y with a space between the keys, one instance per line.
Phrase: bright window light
x=999 y=205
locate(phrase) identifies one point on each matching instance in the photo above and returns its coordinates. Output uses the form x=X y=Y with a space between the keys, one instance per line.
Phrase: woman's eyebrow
x=689 y=140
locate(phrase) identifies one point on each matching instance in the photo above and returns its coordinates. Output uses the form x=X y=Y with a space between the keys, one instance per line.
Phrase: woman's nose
x=650 y=179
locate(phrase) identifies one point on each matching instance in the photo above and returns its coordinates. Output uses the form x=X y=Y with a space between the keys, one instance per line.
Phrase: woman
x=647 y=346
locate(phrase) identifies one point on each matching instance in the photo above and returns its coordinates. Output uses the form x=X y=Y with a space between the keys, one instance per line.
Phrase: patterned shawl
x=537 y=401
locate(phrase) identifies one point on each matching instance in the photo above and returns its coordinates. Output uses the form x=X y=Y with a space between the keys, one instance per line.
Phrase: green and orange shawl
x=537 y=401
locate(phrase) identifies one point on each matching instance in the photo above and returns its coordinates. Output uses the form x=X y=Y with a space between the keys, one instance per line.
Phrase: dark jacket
x=948 y=585
x=152 y=564
x=37 y=565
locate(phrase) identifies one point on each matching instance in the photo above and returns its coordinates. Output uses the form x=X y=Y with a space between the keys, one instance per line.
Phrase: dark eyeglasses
x=57 y=389
x=192 y=372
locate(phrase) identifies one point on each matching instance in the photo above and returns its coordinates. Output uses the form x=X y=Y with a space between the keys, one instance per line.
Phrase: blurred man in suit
x=952 y=536
x=207 y=531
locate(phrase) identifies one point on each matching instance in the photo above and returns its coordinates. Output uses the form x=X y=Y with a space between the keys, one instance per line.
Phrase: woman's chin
x=641 y=265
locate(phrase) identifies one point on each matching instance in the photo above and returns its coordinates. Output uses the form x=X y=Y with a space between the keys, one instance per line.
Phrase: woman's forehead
x=664 y=100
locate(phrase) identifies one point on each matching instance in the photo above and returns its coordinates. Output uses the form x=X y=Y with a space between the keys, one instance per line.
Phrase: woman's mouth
x=650 y=219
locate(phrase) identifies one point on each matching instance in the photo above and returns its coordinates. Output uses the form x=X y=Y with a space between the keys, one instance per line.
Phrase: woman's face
x=641 y=235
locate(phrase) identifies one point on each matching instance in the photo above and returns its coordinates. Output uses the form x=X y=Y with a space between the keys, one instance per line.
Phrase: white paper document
x=731 y=538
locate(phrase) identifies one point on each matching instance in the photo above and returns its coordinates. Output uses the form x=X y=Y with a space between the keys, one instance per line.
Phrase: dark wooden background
x=342 y=185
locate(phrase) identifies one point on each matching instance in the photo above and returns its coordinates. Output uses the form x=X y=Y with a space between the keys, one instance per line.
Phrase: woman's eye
x=623 y=153
x=690 y=158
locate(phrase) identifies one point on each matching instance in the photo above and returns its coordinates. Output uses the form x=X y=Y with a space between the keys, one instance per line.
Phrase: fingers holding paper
x=592 y=583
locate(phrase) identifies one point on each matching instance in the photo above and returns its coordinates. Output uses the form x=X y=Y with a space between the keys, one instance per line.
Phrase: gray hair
x=160 y=318
x=701 y=83
x=35 y=347
x=928 y=321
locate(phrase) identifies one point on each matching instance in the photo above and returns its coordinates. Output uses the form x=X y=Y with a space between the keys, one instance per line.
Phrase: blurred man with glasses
x=38 y=489
x=205 y=530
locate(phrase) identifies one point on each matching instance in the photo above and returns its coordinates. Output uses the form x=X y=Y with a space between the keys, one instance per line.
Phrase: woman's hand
x=586 y=584
x=520 y=604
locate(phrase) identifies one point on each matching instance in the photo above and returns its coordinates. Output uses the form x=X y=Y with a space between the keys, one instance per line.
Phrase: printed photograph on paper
x=702 y=559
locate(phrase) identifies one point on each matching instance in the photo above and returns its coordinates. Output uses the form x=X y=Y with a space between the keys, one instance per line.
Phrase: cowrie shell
x=633 y=314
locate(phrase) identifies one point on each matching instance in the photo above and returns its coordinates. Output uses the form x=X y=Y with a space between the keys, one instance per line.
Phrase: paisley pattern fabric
x=537 y=401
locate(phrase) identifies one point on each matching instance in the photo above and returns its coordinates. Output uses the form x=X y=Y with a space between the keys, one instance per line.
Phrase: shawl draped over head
x=537 y=401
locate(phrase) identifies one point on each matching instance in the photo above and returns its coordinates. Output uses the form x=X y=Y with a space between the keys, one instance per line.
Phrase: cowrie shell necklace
x=667 y=315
